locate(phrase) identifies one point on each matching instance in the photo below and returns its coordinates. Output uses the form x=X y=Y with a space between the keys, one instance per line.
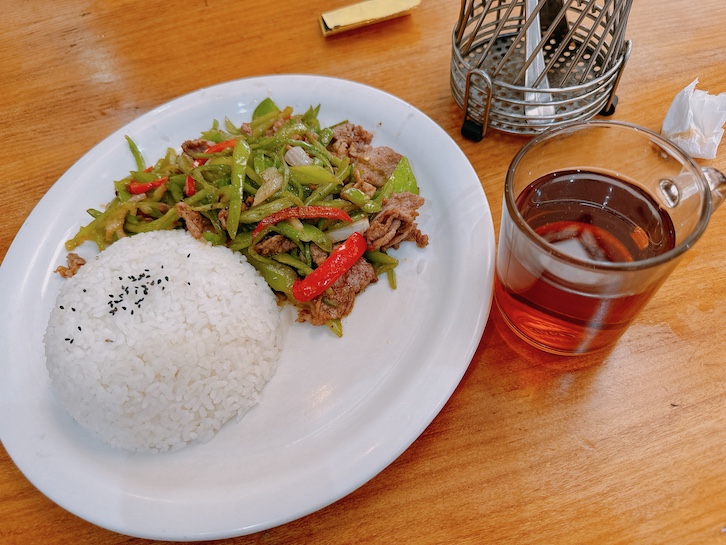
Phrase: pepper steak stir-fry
x=314 y=209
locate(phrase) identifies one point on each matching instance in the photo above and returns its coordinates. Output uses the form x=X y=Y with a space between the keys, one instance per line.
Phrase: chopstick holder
x=364 y=13
x=533 y=40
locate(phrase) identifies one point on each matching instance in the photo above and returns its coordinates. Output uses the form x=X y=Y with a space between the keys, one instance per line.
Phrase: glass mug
x=595 y=216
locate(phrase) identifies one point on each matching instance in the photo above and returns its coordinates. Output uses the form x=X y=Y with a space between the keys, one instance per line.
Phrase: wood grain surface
x=623 y=447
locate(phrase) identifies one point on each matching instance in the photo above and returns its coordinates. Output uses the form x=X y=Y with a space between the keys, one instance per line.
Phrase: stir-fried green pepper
x=308 y=199
x=240 y=157
x=279 y=276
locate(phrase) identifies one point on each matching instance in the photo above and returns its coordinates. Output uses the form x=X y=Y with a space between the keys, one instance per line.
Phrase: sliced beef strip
x=357 y=277
x=341 y=294
x=194 y=221
x=279 y=122
x=371 y=165
x=375 y=166
x=349 y=139
x=395 y=223
x=192 y=147
x=365 y=187
x=317 y=255
x=275 y=244
x=222 y=216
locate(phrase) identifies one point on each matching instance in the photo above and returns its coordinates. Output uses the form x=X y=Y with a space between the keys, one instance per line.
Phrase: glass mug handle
x=717 y=183
x=673 y=193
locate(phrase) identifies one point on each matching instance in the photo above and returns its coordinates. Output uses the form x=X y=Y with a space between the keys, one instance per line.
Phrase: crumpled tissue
x=694 y=121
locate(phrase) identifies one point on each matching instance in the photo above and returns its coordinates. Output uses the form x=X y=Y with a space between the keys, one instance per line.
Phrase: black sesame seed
x=71 y=341
x=84 y=290
x=73 y=309
x=189 y=255
x=62 y=307
x=79 y=328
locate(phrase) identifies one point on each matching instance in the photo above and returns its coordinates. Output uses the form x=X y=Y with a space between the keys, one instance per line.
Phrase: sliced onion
x=137 y=198
x=272 y=184
x=295 y=223
x=342 y=233
x=296 y=157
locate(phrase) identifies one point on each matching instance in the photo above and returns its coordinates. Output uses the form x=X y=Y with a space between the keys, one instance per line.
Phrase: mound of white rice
x=162 y=339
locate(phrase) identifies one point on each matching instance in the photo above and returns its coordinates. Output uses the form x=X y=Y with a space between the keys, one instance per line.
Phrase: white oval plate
x=337 y=412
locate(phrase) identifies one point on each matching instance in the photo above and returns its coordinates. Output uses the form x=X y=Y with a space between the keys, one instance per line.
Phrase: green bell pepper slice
x=240 y=156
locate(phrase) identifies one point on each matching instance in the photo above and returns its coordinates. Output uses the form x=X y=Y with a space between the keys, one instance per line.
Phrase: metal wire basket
x=524 y=66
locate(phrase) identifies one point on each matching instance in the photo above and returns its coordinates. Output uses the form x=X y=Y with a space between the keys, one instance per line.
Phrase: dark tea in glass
x=588 y=216
x=596 y=215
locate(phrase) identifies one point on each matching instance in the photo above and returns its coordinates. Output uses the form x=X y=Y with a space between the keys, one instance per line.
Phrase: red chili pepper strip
x=135 y=188
x=190 y=187
x=337 y=263
x=302 y=212
x=214 y=148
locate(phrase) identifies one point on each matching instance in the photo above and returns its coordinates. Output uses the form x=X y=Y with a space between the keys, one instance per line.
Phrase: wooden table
x=623 y=447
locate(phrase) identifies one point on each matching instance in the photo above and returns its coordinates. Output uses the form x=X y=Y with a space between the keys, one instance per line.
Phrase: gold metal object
x=364 y=13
